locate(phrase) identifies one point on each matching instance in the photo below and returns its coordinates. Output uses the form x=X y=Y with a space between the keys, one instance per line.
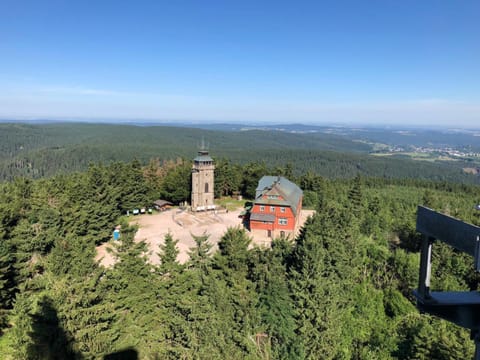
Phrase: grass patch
x=382 y=154
x=418 y=156
x=231 y=203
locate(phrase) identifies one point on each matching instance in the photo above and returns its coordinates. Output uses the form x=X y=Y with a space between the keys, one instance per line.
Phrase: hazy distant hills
x=37 y=150
x=390 y=135
x=16 y=139
x=394 y=136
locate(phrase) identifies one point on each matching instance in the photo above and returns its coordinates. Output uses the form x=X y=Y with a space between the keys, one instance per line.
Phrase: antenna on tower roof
x=203 y=148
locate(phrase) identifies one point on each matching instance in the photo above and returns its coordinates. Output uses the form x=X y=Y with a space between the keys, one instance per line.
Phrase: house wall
x=260 y=225
x=288 y=215
x=274 y=233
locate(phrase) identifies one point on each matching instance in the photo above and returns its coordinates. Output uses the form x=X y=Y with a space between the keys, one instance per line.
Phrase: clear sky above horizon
x=380 y=62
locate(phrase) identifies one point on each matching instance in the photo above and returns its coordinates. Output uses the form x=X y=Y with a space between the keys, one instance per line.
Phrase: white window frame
x=282 y=221
x=262 y=208
x=272 y=208
x=282 y=209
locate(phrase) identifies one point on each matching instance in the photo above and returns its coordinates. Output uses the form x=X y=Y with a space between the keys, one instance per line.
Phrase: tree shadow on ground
x=126 y=354
x=49 y=340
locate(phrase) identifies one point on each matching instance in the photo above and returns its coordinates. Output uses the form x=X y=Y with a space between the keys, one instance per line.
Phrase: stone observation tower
x=202 y=181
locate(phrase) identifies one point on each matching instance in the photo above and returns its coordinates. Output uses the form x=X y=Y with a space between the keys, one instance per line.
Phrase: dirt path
x=181 y=224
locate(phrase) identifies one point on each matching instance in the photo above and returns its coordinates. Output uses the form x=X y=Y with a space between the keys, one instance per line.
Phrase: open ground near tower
x=182 y=224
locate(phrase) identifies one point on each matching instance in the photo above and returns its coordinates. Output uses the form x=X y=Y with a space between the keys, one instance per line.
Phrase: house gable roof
x=288 y=192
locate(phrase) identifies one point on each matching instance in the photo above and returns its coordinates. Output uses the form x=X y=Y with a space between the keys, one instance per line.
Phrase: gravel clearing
x=182 y=224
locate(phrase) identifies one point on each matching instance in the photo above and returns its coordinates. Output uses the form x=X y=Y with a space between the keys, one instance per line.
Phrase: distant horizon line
x=253 y=123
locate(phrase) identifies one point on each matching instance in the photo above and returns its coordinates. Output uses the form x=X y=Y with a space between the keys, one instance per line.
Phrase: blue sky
x=382 y=62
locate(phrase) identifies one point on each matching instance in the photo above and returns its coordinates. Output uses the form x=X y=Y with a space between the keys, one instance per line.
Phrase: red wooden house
x=277 y=206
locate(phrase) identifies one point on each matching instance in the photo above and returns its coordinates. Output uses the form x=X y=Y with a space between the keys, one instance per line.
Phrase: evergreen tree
x=48 y=339
x=275 y=304
x=8 y=287
x=252 y=173
x=27 y=255
x=200 y=258
x=228 y=178
x=428 y=199
x=319 y=278
x=233 y=252
x=72 y=255
x=86 y=314
x=22 y=326
x=93 y=209
x=129 y=185
x=168 y=255
x=176 y=184
x=134 y=295
x=372 y=220
x=355 y=197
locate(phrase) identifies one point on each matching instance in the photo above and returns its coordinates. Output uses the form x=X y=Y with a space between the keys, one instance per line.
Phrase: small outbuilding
x=162 y=205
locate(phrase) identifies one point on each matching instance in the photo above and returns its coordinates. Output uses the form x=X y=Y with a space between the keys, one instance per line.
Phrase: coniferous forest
x=37 y=151
x=341 y=290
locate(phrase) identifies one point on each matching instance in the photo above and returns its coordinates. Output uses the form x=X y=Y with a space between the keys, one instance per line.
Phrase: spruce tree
x=135 y=296
x=238 y=298
x=355 y=197
x=319 y=280
x=168 y=255
x=48 y=339
x=233 y=251
x=72 y=255
x=8 y=287
x=87 y=314
x=275 y=304
x=200 y=257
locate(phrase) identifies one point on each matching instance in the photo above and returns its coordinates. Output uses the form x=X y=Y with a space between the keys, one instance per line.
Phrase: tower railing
x=459 y=307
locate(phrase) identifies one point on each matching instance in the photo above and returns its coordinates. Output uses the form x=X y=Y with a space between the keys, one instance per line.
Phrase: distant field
x=410 y=155
x=421 y=156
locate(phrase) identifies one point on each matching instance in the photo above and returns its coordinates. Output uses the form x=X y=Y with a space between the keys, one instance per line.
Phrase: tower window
x=206 y=187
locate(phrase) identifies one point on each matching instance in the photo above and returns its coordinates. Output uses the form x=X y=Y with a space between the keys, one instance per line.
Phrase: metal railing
x=461 y=308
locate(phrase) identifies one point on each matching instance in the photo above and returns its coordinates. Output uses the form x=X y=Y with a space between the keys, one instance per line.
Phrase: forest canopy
x=341 y=290
x=40 y=150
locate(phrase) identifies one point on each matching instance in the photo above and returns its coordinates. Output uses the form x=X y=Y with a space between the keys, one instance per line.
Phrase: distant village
x=446 y=151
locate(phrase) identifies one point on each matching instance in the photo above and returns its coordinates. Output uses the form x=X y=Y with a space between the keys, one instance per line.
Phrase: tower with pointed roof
x=203 y=181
